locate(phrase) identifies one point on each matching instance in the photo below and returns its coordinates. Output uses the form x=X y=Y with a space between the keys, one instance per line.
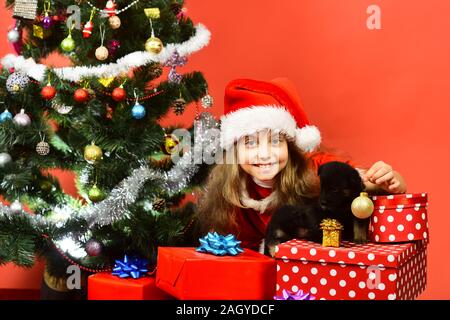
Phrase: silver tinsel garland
x=115 y=207
x=35 y=220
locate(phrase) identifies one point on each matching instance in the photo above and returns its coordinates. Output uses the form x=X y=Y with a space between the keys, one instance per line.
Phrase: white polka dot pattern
x=399 y=218
x=371 y=271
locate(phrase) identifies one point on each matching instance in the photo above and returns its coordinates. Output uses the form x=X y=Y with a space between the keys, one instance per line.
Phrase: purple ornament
x=113 y=46
x=47 y=22
x=93 y=248
x=176 y=60
x=300 y=295
x=174 y=76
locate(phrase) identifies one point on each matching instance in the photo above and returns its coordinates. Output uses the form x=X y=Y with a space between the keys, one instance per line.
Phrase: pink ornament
x=113 y=46
x=182 y=14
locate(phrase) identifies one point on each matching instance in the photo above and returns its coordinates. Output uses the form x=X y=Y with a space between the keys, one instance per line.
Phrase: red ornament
x=110 y=8
x=48 y=92
x=87 y=30
x=118 y=94
x=81 y=95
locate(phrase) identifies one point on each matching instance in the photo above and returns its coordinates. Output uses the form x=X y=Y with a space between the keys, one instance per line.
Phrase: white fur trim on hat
x=307 y=138
x=252 y=119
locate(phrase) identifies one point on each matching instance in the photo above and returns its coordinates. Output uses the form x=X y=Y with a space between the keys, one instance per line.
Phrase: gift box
x=352 y=272
x=191 y=275
x=105 y=286
x=399 y=218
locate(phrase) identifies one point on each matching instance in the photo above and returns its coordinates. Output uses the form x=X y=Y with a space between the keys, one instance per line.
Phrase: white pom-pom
x=307 y=138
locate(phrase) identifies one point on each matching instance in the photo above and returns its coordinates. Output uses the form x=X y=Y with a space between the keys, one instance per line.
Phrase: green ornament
x=68 y=44
x=96 y=194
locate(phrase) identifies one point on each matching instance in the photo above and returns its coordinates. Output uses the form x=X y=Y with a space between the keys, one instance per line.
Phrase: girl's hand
x=382 y=176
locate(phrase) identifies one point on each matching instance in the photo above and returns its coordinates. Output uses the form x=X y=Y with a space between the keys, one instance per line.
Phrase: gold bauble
x=102 y=53
x=114 y=22
x=170 y=142
x=362 y=206
x=54 y=283
x=92 y=153
x=153 y=45
x=46 y=185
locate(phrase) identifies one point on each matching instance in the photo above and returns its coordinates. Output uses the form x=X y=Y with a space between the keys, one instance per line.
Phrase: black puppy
x=340 y=184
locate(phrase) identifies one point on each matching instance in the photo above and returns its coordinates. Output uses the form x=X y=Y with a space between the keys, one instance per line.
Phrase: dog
x=340 y=184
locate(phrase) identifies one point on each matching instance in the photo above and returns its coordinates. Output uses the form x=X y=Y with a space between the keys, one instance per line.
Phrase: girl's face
x=263 y=154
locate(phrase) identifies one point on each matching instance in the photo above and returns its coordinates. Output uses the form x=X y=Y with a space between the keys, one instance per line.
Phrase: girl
x=268 y=148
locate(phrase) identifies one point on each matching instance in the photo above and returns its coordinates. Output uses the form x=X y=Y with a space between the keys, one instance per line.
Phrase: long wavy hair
x=221 y=199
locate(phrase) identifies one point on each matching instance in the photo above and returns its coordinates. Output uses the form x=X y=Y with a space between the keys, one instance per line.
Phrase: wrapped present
x=191 y=275
x=105 y=286
x=332 y=231
x=353 y=271
x=399 y=218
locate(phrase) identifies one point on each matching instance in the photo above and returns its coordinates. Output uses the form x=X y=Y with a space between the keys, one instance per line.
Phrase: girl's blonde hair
x=218 y=204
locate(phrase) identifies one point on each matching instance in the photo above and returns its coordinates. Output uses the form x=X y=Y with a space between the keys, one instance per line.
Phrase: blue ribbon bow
x=133 y=267
x=219 y=245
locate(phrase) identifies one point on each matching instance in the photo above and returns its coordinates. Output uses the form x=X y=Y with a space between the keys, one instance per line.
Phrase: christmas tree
x=99 y=119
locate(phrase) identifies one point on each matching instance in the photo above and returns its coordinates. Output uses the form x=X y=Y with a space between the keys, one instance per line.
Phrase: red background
x=375 y=94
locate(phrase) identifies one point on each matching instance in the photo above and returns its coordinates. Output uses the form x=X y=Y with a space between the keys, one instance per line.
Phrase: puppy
x=289 y=222
x=340 y=184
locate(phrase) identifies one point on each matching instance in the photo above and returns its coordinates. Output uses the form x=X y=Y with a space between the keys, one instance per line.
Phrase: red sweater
x=251 y=224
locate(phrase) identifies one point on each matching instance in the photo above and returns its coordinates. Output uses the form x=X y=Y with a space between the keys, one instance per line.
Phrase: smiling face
x=263 y=154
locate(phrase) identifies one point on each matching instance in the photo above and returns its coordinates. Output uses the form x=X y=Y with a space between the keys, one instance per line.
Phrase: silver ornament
x=207 y=101
x=22 y=119
x=17 y=82
x=26 y=9
x=61 y=108
x=93 y=248
x=43 y=148
x=16 y=207
x=5 y=158
x=13 y=36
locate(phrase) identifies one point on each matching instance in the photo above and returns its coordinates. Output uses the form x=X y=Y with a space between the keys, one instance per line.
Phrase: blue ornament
x=5 y=115
x=138 y=111
x=220 y=245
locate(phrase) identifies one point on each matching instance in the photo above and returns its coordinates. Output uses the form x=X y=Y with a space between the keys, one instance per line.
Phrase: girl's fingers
x=380 y=173
x=374 y=168
x=385 y=178
x=394 y=185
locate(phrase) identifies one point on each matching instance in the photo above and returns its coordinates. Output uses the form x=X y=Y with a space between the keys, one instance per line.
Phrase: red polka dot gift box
x=371 y=271
x=399 y=218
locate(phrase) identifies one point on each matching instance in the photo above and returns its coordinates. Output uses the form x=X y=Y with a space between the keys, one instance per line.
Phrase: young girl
x=269 y=156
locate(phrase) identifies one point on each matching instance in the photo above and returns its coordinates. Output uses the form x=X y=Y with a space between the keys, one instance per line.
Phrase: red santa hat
x=252 y=106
